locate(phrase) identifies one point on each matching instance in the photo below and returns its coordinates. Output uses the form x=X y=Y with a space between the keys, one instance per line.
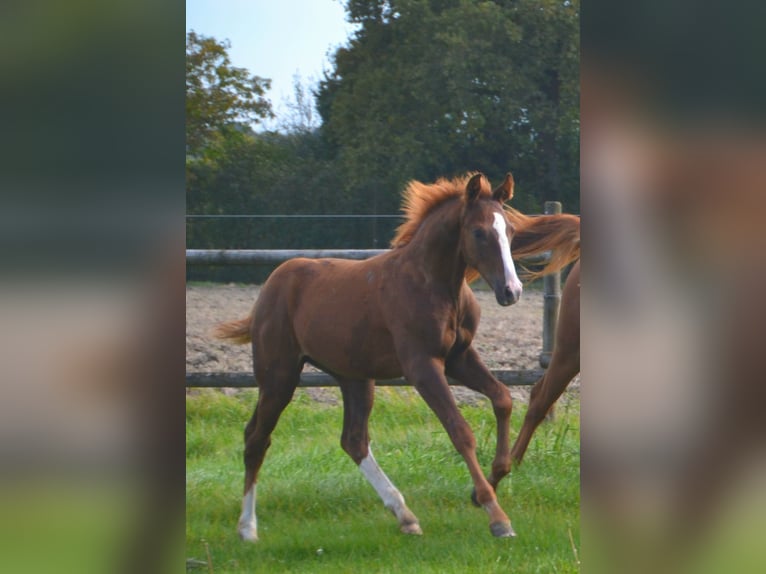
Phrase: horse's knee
x=503 y=404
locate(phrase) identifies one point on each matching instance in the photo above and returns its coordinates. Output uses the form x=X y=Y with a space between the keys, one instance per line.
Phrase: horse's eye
x=479 y=234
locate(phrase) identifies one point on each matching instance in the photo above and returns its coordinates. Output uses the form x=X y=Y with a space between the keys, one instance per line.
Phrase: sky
x=274 y=39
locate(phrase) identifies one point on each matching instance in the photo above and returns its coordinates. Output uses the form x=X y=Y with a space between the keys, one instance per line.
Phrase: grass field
x=316 y=513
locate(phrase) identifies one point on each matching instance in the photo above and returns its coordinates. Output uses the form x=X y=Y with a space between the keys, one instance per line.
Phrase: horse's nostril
x=511 y=295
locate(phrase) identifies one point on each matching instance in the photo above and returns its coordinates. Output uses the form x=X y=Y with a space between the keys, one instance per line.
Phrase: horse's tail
x=236 y=332
x=559 y=234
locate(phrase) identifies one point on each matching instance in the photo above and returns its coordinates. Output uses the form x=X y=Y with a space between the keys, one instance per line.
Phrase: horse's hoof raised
x=411 y=528
x=502 y=530
x=475 y=500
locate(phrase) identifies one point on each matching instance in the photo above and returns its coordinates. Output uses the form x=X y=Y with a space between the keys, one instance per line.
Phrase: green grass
x=316 y=513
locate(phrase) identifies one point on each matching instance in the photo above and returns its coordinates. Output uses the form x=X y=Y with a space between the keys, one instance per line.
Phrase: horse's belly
x=371 y=370
x=358 y=352
x=338 y=321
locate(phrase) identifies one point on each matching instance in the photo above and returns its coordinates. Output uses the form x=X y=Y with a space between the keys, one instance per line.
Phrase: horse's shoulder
x=469 y=310
x=468 y=302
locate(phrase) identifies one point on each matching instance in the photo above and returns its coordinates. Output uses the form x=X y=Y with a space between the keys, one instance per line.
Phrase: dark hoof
x=475 y=500
x=502 y=530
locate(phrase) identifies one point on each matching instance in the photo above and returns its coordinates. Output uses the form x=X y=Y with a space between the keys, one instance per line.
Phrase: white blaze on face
x=511 y=279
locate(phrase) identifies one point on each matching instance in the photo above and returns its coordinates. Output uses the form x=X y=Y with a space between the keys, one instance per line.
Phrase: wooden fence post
x=551 y=299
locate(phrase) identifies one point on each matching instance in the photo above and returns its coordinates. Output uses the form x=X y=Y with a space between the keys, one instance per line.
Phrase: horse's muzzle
x=507 y=295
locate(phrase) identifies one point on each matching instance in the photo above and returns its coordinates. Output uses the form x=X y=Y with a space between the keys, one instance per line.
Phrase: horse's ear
x=477 y=185
x=504 y=191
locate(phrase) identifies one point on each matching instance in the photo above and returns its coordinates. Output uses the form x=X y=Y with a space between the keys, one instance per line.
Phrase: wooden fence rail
x=277 y=256
x=551 y=300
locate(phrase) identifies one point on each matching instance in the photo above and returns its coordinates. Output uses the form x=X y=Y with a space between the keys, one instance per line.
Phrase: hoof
x=411 y=528
x=502 y=530
x=248 y=534
x=475 y=500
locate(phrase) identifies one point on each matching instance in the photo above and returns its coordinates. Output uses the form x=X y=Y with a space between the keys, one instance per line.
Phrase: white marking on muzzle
x=511 y=279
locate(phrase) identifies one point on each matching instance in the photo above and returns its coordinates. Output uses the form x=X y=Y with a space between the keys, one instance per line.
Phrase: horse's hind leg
x=358 y=398
x=563 y=367
x=468 y=369
x=276 y=388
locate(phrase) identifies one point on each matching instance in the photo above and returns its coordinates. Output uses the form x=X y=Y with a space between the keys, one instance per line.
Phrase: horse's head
x=485 y=237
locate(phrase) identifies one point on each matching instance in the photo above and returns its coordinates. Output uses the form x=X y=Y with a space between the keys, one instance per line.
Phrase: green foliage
x=437 y=88
x=218 y=94
x=424 y=89
x=310 y=495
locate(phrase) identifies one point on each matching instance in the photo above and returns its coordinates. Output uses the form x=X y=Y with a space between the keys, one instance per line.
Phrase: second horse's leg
x=547 y=390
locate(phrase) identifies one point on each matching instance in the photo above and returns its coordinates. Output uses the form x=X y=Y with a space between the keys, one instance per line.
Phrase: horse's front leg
x=468 y=369
x=428 y=377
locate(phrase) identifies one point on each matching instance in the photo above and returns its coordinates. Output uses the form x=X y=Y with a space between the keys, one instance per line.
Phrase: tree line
x=423 y=89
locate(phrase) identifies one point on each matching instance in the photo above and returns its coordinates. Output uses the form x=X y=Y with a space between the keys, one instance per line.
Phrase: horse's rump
x=286 y=276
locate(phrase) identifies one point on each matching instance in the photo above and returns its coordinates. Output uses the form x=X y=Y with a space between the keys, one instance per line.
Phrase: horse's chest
x=464 y=336
x=459 y=334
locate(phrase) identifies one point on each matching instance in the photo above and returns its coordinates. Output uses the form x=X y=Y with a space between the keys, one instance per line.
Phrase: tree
x=301 y=116
x=435 y=88
x=218 y=95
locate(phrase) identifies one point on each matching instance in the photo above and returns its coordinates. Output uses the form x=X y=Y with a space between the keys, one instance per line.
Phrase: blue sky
x=274 y=39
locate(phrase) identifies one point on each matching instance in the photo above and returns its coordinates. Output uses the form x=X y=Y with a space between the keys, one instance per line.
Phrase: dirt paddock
x=508 y=338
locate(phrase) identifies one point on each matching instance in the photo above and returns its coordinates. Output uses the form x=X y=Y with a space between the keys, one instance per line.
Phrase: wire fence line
x=293 y=216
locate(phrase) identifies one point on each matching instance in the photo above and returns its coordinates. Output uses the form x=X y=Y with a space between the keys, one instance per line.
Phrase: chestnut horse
x=564 y=364
x=408 y=312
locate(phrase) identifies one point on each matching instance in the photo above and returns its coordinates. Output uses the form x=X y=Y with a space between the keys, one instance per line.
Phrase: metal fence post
x=551 y=299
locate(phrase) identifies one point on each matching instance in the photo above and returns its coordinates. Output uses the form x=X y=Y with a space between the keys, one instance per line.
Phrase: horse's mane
x=559 y=234
x=419 y=200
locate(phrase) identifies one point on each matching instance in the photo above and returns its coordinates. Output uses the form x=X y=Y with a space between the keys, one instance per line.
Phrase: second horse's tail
x=558 y=234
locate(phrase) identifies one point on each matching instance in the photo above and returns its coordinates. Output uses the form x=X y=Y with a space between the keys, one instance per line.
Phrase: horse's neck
x=437 y=245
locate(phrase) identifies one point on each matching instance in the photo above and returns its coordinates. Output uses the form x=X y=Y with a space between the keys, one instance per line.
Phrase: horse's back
x=300 y=277
x=293 y=284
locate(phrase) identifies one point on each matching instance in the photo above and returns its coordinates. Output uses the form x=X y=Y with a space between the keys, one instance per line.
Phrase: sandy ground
x=508 y=337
